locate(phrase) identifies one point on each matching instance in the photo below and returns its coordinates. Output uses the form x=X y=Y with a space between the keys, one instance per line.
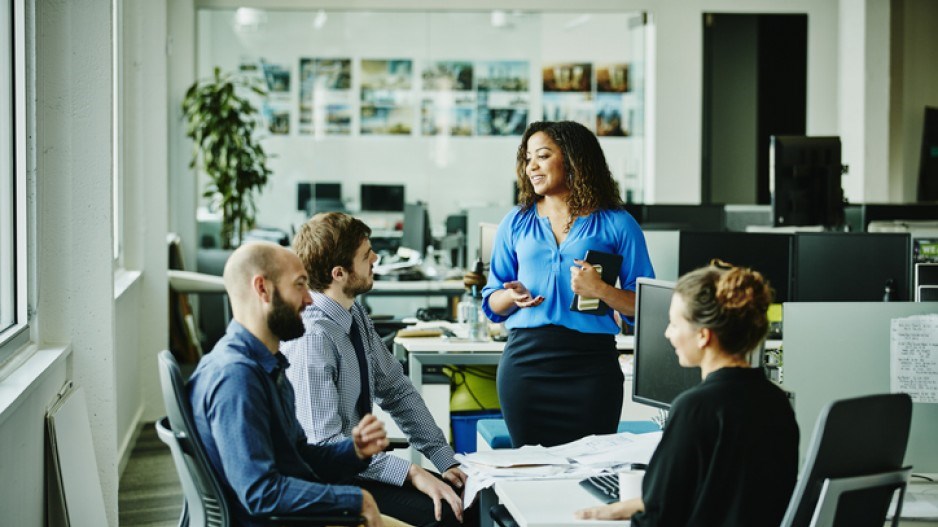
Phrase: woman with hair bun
x=729 y=453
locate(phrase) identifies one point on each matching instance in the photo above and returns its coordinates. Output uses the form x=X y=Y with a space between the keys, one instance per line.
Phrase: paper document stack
x=582 y=458
x=920 y=502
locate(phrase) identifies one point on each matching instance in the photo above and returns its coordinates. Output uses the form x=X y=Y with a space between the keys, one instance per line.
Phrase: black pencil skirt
x=556 y=385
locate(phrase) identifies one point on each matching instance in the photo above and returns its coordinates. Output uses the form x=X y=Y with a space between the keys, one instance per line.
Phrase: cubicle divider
x=835 y=350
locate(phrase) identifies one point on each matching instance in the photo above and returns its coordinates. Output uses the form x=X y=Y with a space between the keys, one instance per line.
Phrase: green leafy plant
x=221 y=121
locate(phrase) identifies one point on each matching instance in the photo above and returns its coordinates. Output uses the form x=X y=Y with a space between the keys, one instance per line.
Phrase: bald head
x=251 y=259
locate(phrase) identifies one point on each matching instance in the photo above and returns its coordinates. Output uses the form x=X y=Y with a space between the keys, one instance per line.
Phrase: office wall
x=113 y=322
x=22 y=458
x=450 y=173
x=673 y=79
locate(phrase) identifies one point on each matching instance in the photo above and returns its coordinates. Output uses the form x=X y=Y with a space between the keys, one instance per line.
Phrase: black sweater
x=728 y=455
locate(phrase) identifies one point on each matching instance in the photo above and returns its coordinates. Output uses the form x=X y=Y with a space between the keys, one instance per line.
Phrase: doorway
x=754 y=86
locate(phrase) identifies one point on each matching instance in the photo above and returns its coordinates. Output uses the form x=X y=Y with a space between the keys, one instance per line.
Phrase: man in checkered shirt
x=341 y=366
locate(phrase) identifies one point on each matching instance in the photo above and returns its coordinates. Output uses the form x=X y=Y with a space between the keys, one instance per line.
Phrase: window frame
x=17 y=335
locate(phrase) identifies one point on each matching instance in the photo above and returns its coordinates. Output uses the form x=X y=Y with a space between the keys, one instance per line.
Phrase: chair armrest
x=395 y=443
x=189 y=282
x=313 y=521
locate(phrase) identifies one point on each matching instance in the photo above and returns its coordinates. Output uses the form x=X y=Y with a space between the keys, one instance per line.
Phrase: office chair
x=501 y=516
x=205 y=503
x=850 y=473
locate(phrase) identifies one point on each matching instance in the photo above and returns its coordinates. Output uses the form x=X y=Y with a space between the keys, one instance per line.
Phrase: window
x=13 y=318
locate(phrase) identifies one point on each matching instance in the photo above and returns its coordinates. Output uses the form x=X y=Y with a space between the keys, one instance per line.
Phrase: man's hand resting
x=455 y=477
x=369 y=437
x=437 y=490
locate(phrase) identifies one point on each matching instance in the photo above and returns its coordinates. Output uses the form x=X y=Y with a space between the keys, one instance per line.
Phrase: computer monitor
x=709 y=217
x=657 y=377
x=486 y=242
x=768 y=253
x=871 y=212
x=416 y=233
x=804 y=175
x=382 y=198
x=851 y=267
x=327 y=191
x=325 y=197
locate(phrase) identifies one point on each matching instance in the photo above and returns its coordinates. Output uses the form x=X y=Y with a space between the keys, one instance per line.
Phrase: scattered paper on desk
x=920 y=502
x=610 y=450
x=513 y=457
x=913 y=357
x=579 y=459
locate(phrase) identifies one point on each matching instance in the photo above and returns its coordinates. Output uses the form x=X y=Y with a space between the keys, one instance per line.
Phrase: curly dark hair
x=326 y=241
x=587 y=174
x=731 y=301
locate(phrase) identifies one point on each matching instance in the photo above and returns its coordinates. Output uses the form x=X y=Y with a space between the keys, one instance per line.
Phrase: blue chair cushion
x=495 y=431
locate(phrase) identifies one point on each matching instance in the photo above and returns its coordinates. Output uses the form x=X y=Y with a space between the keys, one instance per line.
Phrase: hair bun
x=741 y=288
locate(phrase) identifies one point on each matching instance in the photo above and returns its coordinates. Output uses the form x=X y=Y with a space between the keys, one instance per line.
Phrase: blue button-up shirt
x=244 y=414
x=526 y=250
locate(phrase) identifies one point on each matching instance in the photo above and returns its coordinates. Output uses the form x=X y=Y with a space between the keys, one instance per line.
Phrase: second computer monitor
x=382 y=198
x=416 y=233
x=850 y=267
x=657 y=376
x=769 y=254
x=486 y=242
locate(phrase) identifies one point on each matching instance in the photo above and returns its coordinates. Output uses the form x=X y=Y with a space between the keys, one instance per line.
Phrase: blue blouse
x=525 y=250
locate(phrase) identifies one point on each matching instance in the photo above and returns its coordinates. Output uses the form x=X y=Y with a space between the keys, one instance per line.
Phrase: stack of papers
x=920 y=502
x=582 y=458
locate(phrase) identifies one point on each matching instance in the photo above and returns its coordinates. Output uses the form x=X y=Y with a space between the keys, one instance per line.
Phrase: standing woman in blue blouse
x=559 y=377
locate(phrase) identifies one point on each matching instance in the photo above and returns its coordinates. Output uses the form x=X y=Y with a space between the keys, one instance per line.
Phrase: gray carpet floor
x=150 y=494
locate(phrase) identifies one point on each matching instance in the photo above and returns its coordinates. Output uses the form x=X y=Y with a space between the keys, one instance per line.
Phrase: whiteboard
x=73 y=460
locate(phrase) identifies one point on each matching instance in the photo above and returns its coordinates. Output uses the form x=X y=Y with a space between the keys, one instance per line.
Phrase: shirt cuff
x=348 y=498
x=395 y=470
x=443 y=459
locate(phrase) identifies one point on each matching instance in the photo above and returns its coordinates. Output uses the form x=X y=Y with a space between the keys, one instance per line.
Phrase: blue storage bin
x=464 y=428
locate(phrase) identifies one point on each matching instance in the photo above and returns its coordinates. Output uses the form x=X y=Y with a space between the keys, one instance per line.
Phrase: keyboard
x=604 y=486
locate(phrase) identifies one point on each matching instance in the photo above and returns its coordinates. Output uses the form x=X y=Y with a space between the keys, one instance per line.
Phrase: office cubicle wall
x=835 y=350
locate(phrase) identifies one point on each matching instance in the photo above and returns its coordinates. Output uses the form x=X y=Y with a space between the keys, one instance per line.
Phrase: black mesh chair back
x=206 y=504
x=856 y=451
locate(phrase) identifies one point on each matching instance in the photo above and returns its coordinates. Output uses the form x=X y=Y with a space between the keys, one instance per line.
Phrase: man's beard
x=358 y=284
x=283 y=321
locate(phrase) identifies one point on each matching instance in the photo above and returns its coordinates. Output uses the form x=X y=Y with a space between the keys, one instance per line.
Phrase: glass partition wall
x=435 y=101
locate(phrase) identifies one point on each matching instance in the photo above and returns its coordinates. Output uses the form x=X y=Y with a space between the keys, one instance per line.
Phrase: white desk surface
x=442 y=286
x=548 y=503
x=551 y=503
x=458 y=345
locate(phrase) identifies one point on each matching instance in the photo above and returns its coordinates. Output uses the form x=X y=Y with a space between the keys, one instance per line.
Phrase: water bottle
x=470 y=314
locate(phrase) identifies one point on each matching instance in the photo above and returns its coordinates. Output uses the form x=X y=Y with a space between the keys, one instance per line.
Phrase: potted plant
x=221 y=121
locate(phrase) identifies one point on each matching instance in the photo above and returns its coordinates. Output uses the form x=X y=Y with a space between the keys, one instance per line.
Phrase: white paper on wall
x=913 y=357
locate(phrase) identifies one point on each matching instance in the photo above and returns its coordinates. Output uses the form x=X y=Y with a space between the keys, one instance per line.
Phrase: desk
x=452 y=290
x=551 y=503
x=548 y=503
x=456 y=351
x=440 y=351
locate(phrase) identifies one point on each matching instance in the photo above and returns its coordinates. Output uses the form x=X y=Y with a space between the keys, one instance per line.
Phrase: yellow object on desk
x=416 y=332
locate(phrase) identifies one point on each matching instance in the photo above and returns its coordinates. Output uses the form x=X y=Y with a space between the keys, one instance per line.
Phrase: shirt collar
x=333 y=310
x=256 y=350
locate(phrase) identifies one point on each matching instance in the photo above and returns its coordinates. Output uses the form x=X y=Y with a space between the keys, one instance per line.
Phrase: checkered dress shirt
x=324 y=373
